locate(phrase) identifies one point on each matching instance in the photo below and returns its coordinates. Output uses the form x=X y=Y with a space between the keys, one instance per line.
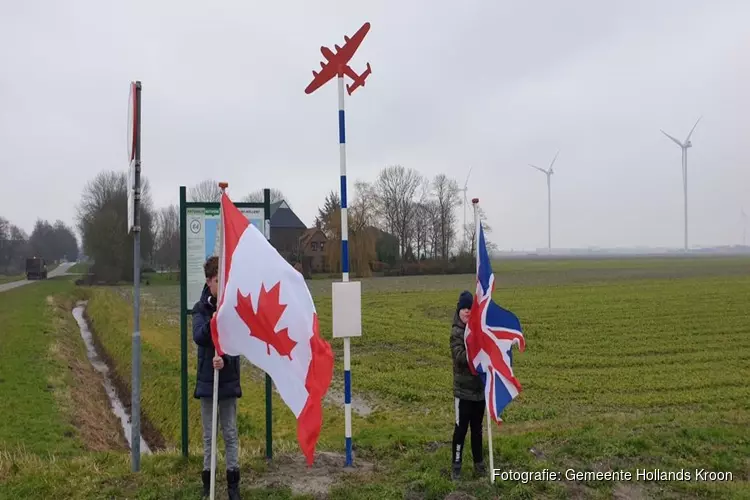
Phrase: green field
x=630 y=364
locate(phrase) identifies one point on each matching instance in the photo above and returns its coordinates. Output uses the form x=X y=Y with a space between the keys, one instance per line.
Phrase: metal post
x=183 y=320
x=685 y=194
x=269 y=386
x=135 y=417
x=345 y=273
x=549 y=213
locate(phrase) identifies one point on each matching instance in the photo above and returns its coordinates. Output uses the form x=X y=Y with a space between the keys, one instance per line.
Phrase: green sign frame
x=186 y=310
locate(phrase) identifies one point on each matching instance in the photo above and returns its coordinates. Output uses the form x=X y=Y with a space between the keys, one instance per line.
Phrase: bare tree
x=421 y=219
x=205 y=191
x=469 y=245
x=421 y=224
x=257 y=196
x=365 y=207
x=447 y=198
x=361 y=234
x=433 y=237
x=53 y=242
x=102 y=221
x=14 y=247
x=396 y=187
x=167 y=237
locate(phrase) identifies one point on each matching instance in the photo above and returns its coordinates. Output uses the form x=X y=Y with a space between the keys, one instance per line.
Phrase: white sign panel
x=131 y=196
x=347 y=309
x=203 y=242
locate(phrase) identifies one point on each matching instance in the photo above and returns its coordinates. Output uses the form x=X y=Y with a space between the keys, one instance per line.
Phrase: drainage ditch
x=101 y=367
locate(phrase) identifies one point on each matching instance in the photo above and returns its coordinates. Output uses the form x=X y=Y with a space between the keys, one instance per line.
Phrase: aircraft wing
x=321 y=78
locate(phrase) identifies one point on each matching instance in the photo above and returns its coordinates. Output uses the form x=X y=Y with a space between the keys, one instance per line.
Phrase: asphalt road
x=61 y=270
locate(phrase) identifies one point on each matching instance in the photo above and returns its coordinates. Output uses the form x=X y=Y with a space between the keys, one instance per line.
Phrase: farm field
x=630 y=364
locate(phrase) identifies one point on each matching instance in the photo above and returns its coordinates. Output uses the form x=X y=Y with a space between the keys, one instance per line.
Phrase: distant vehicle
x=36 y=268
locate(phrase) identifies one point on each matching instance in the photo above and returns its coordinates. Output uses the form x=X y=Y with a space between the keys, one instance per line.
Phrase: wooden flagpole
x=477 y=222
x=214 y=414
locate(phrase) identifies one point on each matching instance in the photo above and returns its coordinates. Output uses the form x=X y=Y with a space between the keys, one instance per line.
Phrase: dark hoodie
x=466 y=385
x=229 y=376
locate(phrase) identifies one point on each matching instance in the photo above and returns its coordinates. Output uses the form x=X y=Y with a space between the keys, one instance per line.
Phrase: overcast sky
x=493 y=85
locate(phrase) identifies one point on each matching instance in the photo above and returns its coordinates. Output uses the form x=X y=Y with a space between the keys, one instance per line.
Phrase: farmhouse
x=312 y=248
x=286 y=230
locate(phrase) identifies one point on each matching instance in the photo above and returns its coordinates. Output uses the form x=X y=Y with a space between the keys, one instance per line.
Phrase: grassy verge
x=11 y=278
x=31 y=373
x=166 y=278
x=79 y=268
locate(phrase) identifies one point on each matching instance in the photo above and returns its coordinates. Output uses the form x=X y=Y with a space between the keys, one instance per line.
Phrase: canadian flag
x=266 y=314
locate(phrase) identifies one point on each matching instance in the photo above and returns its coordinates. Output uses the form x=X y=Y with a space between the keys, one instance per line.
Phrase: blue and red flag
x=489 y=337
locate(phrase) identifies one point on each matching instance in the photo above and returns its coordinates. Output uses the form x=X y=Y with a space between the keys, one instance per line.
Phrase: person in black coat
x=229 y=384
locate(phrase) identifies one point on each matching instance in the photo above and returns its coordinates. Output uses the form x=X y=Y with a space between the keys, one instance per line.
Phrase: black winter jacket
x=229 y=376
x=466 y=385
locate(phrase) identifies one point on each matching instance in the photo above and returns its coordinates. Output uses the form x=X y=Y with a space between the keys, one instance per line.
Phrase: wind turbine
x=548 y=173
x=465 y=189
x=684 y=146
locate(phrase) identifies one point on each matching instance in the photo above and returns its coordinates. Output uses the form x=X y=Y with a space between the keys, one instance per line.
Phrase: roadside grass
x=31 y=374
x=10 y=278
x=633 y=373
x=165 y=278
x=4 y=278
x=79 y=268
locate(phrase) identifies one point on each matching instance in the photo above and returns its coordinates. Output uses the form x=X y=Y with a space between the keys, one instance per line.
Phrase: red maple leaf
x=262 y=322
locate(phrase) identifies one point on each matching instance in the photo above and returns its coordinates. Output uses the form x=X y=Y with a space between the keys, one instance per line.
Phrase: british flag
x=489 y=337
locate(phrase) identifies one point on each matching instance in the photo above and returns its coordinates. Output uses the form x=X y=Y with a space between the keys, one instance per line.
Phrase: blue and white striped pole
x=345 y=273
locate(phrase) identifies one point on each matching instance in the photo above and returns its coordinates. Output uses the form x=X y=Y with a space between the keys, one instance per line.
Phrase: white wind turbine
x=465 y=201
x=548 y=173
x=684 y=146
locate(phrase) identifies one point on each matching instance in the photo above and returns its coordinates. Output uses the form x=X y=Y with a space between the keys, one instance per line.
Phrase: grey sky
x=495 y=85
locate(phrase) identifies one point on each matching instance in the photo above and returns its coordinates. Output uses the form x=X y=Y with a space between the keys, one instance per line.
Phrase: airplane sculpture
x=338 y=63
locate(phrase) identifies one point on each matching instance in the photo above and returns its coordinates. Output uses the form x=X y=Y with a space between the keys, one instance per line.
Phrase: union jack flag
x=489 y=337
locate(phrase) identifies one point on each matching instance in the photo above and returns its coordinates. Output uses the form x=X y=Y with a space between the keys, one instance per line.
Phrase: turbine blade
x=540 y=169
x=554 y=160
x=467 y=178
x=692 y=129
x=675 y=140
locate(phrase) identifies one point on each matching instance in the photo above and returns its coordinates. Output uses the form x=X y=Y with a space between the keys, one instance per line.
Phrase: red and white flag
x=267 y=315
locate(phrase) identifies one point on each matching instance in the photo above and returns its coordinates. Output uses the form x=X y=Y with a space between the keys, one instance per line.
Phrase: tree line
x=400 y=218
x=102 y=222
x=419 y=213
x=52 y=242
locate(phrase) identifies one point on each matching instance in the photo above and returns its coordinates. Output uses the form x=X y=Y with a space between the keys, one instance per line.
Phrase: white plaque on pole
x=347 y=309
x=131 y=195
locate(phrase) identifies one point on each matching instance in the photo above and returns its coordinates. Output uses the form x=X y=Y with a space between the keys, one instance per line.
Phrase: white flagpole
x=214 y=420
x=477 y=222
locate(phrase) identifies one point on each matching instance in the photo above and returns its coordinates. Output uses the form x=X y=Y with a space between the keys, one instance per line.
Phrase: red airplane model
x=338 y=63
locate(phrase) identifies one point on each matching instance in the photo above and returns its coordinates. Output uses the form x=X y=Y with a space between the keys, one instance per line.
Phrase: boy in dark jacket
x=468 y=391
x=229 y=384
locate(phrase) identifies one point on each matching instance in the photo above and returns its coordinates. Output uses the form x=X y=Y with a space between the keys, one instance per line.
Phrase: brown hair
x=211 y=267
